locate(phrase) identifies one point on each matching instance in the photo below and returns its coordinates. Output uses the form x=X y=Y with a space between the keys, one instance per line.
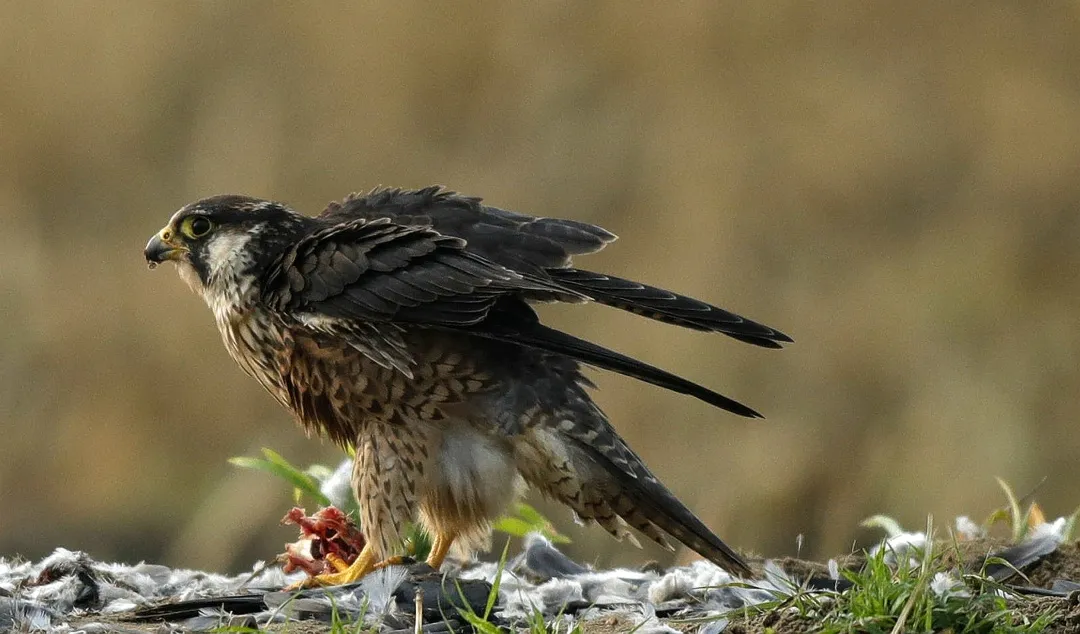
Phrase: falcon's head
x=222 y=244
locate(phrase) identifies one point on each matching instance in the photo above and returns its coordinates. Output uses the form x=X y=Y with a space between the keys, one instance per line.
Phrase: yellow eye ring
x=196 y=226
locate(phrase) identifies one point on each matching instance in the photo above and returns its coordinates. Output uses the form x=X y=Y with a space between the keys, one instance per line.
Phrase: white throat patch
x=228 y=290
x=225 y=251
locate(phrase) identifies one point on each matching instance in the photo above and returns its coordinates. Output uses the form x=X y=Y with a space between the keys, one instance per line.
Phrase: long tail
x=524 y=329
x=637 y=496
x=666 y=306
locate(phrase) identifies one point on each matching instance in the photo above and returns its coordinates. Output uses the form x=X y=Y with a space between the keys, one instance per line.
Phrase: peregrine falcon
x=400 y=323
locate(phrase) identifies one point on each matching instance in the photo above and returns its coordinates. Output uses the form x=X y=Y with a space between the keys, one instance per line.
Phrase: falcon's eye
x=197 y=226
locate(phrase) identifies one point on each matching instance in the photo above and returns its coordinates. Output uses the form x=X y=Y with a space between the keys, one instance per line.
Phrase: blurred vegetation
x=896 y=185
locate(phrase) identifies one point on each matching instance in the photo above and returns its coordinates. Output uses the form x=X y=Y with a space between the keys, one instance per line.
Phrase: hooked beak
x=161 y=248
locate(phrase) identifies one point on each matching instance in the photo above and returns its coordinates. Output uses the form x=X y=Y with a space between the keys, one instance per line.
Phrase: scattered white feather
x=1055 y=530
x=968 y=529
x=379 y=588
x=903 y=544
x=338 y=487
x=631 y=596
x=947 y=584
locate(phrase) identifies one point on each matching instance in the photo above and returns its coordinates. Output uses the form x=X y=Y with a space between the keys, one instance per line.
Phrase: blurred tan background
x=896 y=185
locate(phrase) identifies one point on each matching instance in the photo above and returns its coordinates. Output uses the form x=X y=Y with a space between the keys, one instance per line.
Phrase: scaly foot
x=364 y=564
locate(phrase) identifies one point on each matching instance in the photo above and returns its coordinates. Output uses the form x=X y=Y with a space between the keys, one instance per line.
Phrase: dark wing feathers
x=542 y=247
x=515 y=241
x=381 y=271
x=666 y=306
x=515 y=322
x=436 y=259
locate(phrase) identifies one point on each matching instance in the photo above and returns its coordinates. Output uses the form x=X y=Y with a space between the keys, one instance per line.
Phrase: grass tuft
x=903 y=598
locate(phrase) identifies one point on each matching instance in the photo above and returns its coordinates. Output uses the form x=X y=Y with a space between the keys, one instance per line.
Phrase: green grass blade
x=1019 y=521
x=284 y=471
x=493 y=596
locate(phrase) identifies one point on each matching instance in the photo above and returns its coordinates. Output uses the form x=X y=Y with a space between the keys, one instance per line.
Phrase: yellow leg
x=365 y=563
x=439 y=548
x=337 y=563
